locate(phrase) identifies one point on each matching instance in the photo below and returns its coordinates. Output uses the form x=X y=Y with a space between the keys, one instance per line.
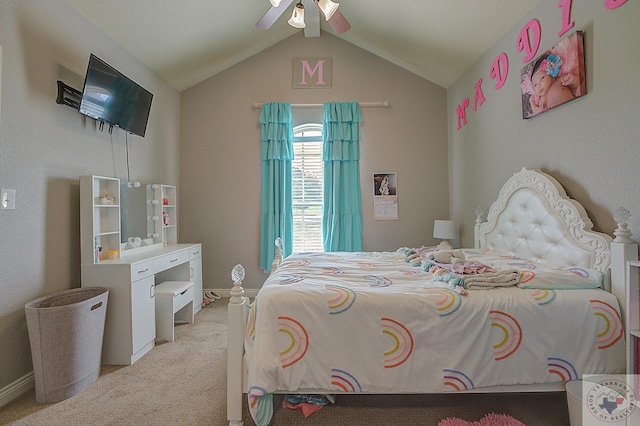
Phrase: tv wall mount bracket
x=71 y=97
x=68 y=96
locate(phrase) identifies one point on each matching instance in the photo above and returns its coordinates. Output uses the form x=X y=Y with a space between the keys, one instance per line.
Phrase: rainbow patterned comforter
x=372 y=323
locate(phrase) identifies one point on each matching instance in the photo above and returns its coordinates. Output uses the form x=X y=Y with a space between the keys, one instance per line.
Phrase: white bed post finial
x=476 y=229
x=479 y=214
x=277 y=258
x=237 y=292
x=622 y=216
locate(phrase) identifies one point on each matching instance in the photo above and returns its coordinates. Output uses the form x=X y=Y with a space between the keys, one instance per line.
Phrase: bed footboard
x=236 y=321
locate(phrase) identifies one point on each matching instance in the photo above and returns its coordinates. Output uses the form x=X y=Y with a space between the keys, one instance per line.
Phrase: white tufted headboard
x=533 y=218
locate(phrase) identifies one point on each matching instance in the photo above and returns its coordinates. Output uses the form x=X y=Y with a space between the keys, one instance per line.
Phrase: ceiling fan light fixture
x=275 y=3
x=328 y=8
x=297 y=17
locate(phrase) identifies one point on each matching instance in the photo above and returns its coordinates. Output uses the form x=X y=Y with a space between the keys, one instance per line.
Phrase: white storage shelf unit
x=169 y=214
x=99 y=217
x=163 y=214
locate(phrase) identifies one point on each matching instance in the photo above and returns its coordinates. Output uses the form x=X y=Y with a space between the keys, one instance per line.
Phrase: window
x=307 y=188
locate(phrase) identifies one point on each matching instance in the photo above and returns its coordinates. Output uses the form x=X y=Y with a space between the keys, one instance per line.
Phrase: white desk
x=130 y=328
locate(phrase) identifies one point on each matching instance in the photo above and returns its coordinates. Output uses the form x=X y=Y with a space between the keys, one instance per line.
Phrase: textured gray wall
x=45 y=147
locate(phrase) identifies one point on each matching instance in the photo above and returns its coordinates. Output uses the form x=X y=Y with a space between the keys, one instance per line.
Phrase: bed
x=421 y=320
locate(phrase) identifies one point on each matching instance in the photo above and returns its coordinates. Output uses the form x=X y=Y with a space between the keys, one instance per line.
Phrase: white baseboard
x=17 y=388
x=227 y=292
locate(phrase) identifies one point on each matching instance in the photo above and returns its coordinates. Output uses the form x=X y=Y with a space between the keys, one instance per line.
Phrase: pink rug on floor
x=488 y=420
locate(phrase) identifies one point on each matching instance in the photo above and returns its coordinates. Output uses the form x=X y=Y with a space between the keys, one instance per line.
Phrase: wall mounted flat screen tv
x=111 y=97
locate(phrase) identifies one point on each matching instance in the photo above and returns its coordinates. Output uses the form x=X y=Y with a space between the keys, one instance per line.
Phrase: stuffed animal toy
x=446 y=256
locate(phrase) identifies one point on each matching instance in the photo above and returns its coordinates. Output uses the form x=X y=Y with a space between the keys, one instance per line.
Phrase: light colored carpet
x=184 y=383
x=178 y=383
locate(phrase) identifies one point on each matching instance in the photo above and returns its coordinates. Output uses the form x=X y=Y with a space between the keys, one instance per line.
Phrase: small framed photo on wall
x=555 y=77
x=385 y=196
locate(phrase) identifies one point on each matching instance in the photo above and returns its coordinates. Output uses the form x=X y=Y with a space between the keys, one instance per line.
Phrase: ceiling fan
x=328 y=8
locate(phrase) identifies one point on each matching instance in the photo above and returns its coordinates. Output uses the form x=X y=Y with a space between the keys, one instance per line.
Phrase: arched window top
x=307 y=131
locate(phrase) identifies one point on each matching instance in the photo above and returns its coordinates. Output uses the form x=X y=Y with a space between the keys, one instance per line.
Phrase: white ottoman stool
x=174 y=302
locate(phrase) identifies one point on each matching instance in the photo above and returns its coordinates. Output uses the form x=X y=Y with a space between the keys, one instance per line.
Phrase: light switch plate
x=7 y=199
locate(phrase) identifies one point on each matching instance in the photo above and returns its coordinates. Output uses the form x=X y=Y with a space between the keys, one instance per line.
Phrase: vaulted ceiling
x=188 y=41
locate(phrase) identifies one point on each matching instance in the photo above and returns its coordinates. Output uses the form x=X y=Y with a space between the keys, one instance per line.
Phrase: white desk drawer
x=195 y=252
x=141 y=270
x=168 y=261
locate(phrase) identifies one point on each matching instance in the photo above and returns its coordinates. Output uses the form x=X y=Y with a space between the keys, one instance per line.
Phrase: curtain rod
x=382 y=104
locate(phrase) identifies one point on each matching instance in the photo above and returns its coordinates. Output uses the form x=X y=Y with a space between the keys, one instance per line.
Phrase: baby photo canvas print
x=555 y=77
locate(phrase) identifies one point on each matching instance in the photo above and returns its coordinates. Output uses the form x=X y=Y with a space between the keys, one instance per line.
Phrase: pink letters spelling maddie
x=529 y=42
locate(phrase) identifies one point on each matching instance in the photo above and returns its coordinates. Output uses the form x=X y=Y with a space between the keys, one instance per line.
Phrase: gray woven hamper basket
x=65 y=332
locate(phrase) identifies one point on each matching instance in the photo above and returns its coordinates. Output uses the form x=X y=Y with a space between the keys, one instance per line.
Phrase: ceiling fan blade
x=339 y=23
x=272 y=15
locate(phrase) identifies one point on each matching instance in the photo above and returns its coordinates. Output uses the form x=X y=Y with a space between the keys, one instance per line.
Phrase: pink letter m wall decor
x=311 y=73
